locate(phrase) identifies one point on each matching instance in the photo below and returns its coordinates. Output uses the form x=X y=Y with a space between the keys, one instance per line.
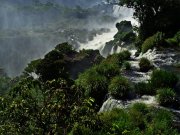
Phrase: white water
x=158 y=59
x=111 y=103
x=99 y=41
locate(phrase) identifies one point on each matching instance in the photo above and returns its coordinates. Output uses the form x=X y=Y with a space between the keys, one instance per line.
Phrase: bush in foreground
x=137 y=120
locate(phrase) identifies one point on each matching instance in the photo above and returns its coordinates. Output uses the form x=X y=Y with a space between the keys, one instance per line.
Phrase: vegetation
x=155 y=16
x=5 y=85
x=125 y=32
x=54 y=103
x=175 y=41
x=139 y=119
x=127 y=65
x=148 y=44
x=154 y=41
x=166 y=96
x=145 y=65
x=119 y=87
x=93 y=84
x=125 y=55
x=163 y=79
x=108 y=70
x=143 y=88
x=71 y=86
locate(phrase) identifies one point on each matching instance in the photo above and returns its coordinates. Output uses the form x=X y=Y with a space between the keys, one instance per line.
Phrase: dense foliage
x=138 y=120
x=155 y=16
x=125 y=32
x=54 y=103
x=154 y=41
x=119 y=87
x=163 y=79
x=62 y=92
x=93 y=84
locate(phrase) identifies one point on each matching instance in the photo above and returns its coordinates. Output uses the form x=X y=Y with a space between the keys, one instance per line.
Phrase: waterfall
x=99 y=41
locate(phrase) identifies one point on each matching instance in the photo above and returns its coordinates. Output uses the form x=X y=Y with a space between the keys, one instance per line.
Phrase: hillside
x=115 y=76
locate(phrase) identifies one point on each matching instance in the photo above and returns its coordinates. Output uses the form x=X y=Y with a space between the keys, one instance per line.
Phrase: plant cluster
x=145 y=65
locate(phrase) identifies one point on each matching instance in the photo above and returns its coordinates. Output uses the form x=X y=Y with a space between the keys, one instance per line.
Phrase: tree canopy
x=155 y=15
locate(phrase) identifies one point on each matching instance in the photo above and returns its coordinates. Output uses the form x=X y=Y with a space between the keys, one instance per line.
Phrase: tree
x=55 y=63
x=33 y=107
x=155 y=15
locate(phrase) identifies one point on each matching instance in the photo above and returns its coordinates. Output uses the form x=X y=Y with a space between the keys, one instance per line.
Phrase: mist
x=29 y=29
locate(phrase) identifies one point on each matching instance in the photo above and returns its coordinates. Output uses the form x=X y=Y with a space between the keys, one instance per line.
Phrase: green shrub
x=177 y=37
x=119 y=87
x=108 y=70
x=159 y=39
x=171 y=42
x=127 y=65
x=65 y=48
x=137 y=120
x=160 y=122
x=137 y=115
x=166 y=96
x=140 y=107
x=116 y=121
x=118 y=58
x=80 y=130
x=5 y=85
x=163 y=79
x=145 y=65
x=113 y=59
x=128 y=37
x=94 y=85
x=143 y=88
x=174 y=41
x=155 y=40
x=125 y=54
x=148 y=44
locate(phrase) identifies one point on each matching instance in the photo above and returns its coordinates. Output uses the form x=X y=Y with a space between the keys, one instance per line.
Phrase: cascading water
x=162 y=58
x=99 y=41
x=158 y=58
